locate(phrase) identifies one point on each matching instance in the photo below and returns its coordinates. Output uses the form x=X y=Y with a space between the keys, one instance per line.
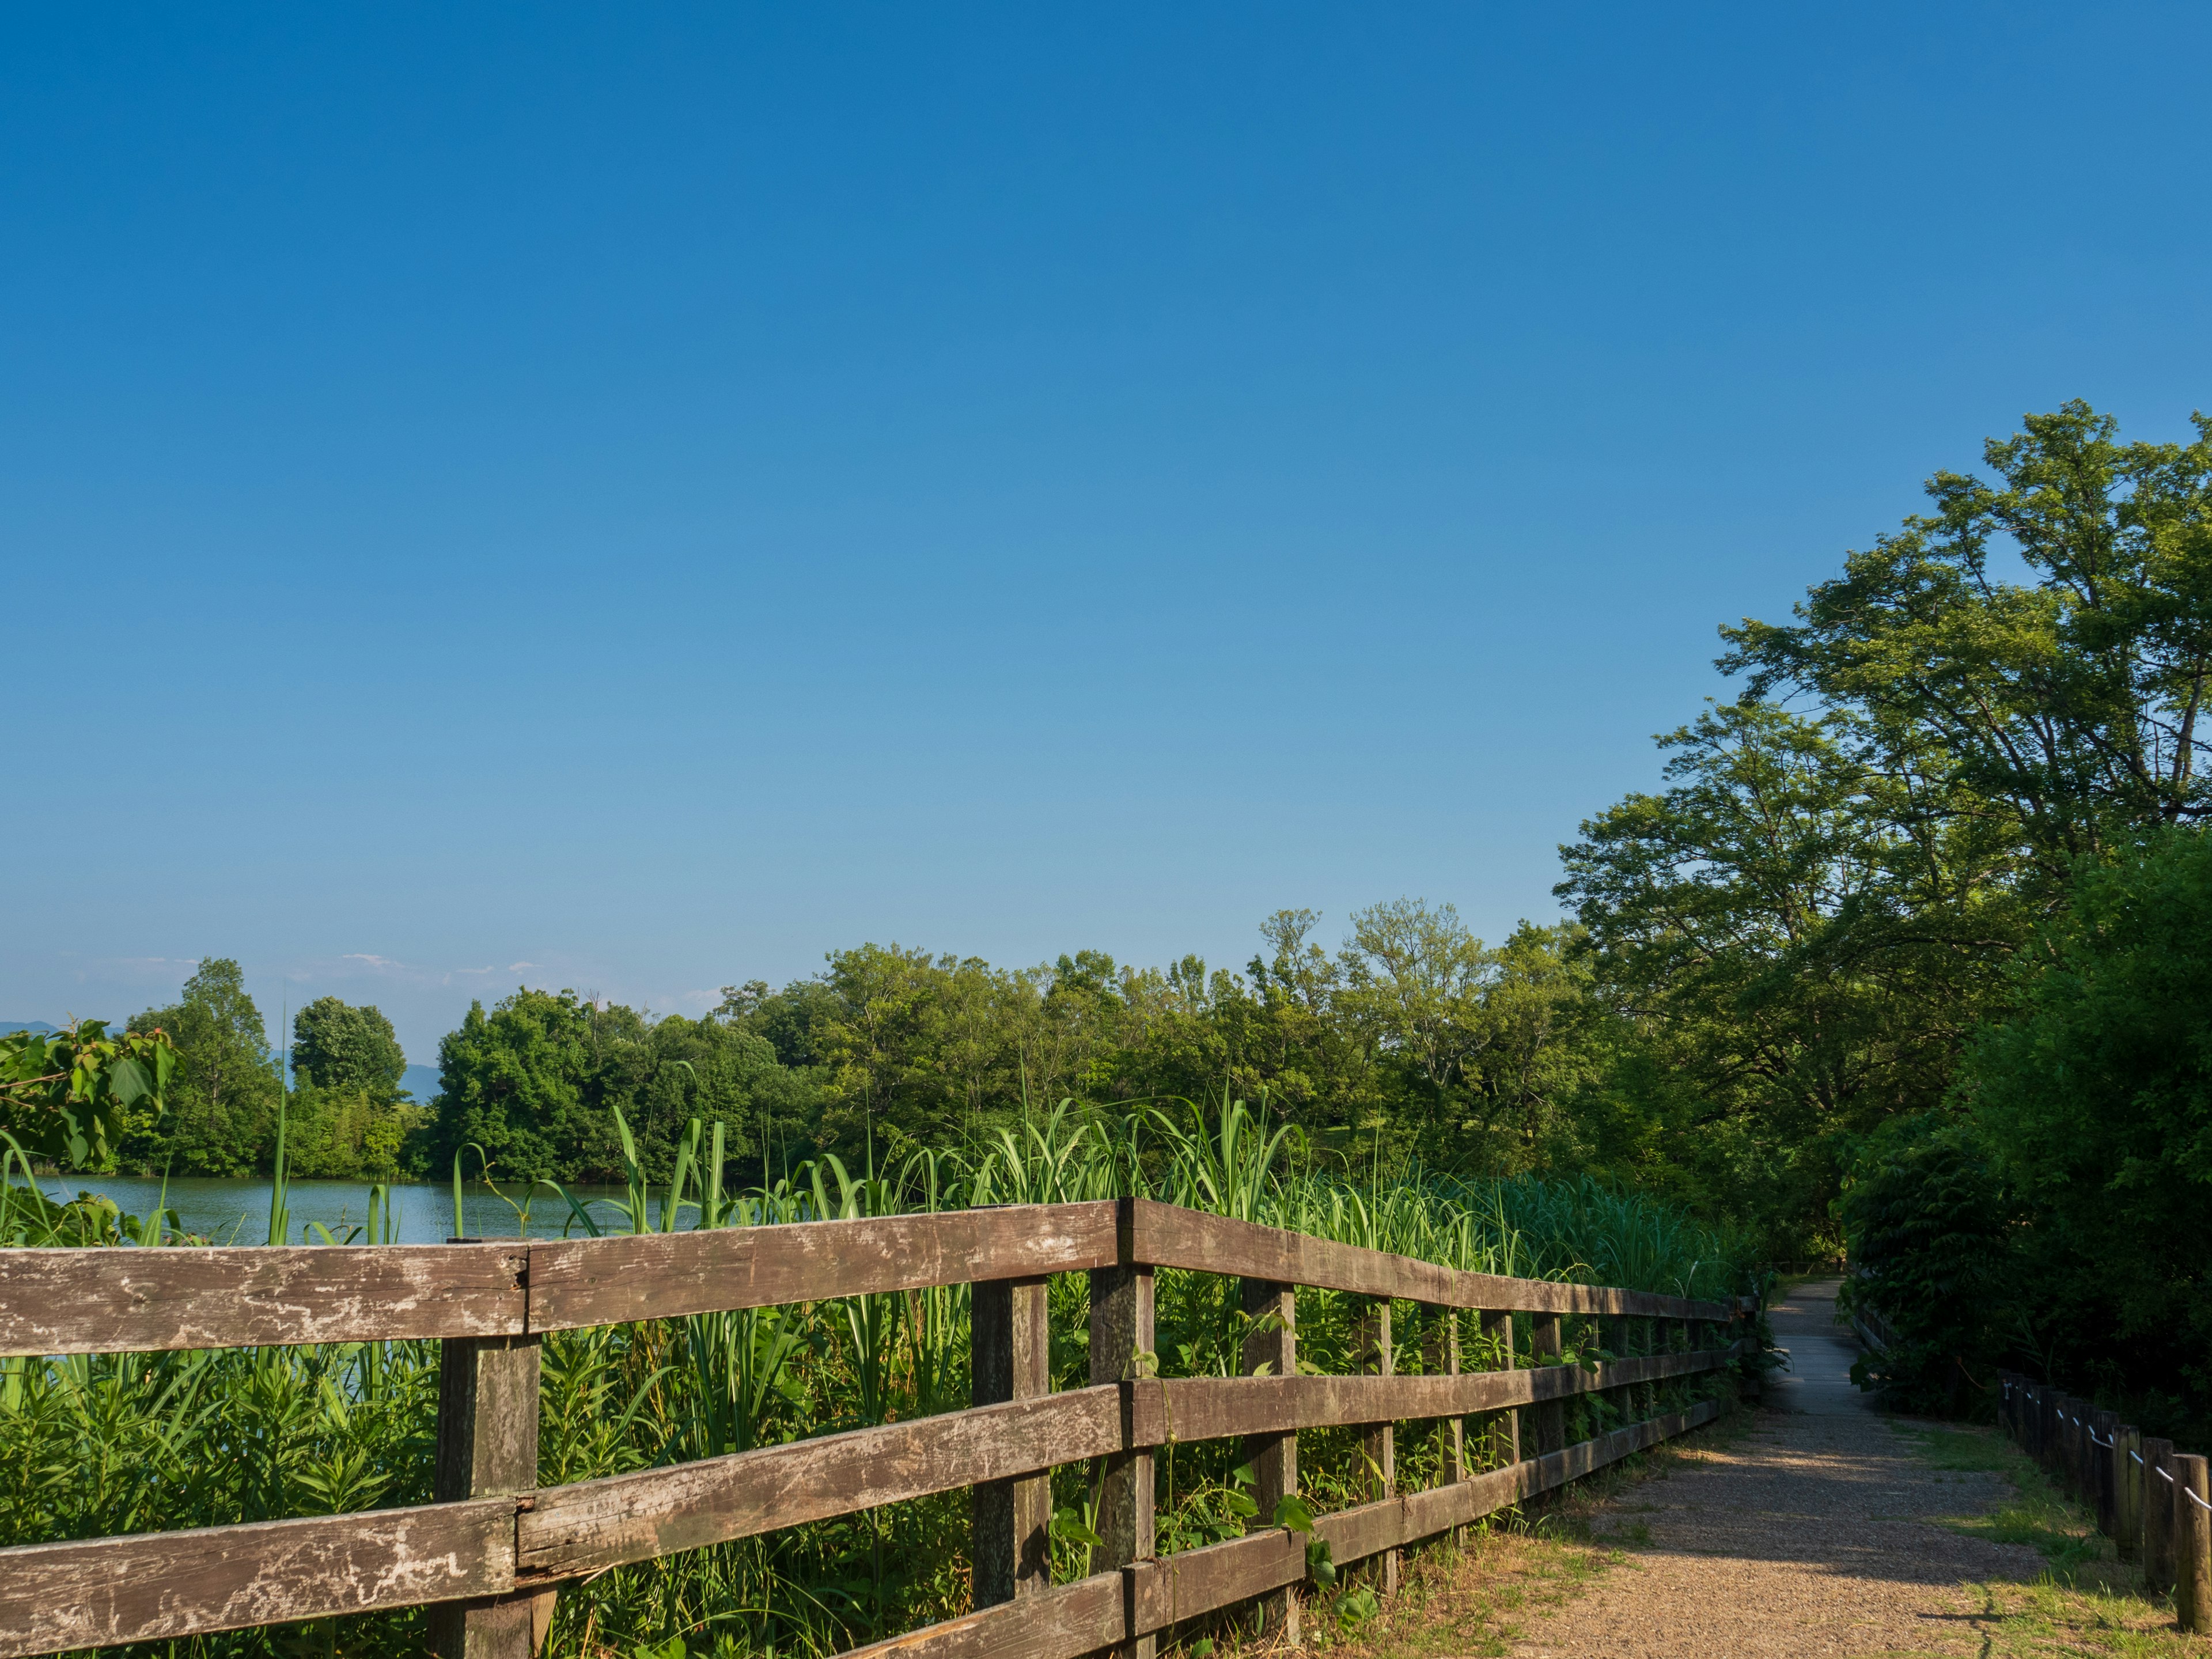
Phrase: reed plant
x=130 y=1442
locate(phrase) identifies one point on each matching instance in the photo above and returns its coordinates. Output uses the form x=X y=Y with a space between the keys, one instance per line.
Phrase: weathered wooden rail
x=2153 y=1502
x=491 y=1553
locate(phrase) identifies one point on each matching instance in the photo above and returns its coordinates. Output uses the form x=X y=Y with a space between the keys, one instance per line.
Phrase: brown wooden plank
x=1124 y=1344
x=159 y=1585
x=656 y=1512
x=607 y=1281
x=1164 y=1235
x=134 y=1300
x=1364 y=1530
x=1061 y=1622
x=1378 y=1441
x=1168 y=1588
x=1440 y=1509
x=1215 y=1407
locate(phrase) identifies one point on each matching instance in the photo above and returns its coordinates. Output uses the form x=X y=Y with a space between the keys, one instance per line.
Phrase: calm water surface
x=237 y=1211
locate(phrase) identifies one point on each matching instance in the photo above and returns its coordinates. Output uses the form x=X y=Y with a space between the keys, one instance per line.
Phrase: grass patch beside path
x=2037 y=1514
x=2087 y=1601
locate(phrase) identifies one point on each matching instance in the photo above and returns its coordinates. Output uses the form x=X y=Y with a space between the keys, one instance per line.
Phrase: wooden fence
x=2153 y=1502
x=490 y=1553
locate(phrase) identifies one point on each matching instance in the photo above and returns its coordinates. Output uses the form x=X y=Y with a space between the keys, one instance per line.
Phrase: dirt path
x=1811 y=1536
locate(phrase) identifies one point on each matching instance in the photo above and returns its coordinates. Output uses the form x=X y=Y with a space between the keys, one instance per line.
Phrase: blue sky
x=633 y=498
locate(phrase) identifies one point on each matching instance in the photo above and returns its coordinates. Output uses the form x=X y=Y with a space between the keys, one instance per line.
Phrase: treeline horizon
x=1910 y=955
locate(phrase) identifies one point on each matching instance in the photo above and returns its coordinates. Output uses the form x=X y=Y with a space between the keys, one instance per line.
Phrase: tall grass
x=130 y=1443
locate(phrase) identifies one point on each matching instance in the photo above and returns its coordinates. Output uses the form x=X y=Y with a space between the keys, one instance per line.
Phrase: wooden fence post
x=2069 y=1462
x=1378 y=1441
x=1607 y=1334
x=1122 y=1350
x=1271 y=1348
x=487 y=1448
x=1440 y=1355
x=1502 y=1442
x=1549 y=1420
x=1753 y=1375
x=1010 y=1350
x=2192 y=1539
x=2157 y=1515
x=1653 y=1329
x=2127 y=1473
x=2103 y=1430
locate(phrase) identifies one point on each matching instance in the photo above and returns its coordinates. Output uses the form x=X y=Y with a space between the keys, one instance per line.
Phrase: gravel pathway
x=1812 y=1534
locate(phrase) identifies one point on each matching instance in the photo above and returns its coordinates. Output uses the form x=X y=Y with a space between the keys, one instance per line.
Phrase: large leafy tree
x=222 y=1108
x=535 y=1083
x=336 y=1045
x=347 y=1117
x=1801 y=931
x=2093 y=1097
x=1793 y=956
x=2036 y=649
x=513 y=1083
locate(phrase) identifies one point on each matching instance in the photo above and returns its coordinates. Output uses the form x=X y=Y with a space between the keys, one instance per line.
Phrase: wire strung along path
x=1812 y=1534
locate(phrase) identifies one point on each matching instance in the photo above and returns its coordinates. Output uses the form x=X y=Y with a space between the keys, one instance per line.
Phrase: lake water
x=237 y=1211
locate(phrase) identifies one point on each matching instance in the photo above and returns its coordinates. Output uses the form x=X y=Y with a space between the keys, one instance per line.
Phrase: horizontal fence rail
x=490 y=1554
x=88 y=1301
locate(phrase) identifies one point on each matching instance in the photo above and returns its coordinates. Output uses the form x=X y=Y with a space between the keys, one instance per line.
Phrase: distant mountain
x=421 y=1082
x=9 y=1027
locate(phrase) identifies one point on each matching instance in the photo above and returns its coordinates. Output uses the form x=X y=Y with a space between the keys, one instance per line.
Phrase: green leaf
x=1319 y=1567
x=1068 y=1523
x=1292 y=1515
x=127 y=1082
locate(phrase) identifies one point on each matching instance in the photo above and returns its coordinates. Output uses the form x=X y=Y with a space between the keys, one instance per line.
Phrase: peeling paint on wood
x=150 y=1586
x=133 y=1301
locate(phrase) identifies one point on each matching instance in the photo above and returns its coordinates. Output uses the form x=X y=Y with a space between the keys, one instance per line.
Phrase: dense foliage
x=2093 y=1097
x=69 y=1095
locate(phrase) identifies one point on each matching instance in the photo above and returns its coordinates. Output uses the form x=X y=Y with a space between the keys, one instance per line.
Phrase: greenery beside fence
x=129 y=1443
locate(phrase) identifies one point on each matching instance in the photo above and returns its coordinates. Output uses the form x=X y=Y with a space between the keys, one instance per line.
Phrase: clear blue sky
x=633 y=498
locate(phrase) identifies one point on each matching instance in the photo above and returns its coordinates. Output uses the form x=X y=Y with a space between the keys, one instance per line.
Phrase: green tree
x=336 y=1045
x=1795 y=942
x=536 y=1083
x=515 y=1082
x=2093 y=1097
x=346 y=1117
x=2065 y=711
x=1935 y=1238
x=222 y=1105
